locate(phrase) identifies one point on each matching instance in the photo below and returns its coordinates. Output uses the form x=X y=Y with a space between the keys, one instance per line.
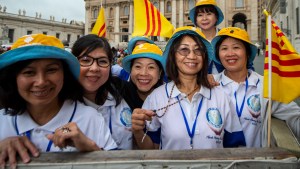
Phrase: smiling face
x=93 y=77
x=190 y=64
x=40 y=82
x=232 y=54
x=145 y=73
x=206 y=20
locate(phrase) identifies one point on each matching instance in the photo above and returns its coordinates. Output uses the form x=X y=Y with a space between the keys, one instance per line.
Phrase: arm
x=139 y=117
x=71 y=135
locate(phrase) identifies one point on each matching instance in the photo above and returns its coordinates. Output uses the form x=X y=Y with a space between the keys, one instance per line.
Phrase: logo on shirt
x=214 y=119
x=254 y=106
x=125 y=117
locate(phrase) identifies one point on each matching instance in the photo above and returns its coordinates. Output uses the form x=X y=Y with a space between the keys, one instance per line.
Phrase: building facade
x=286 y=14
x=16 y=25
x=119 y=16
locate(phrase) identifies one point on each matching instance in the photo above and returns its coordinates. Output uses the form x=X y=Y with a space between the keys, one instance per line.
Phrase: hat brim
x=40 y=52
x=126 y=62
x=253 y=49
x=220 y=15
x=208 y=46
x=132 y=42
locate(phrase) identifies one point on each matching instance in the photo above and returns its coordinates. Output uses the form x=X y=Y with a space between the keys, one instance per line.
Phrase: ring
x=65 y=130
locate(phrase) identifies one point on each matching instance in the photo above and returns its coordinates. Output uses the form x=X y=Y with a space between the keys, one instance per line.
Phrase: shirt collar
x=110 y=101
x=252 y=79
x=26 y=123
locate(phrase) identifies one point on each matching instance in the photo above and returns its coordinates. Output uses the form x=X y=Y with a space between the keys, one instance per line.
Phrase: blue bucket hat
x=145 y=50
x=132 y=42
x=206 y=2
x=236 y=33
x=188 y=30
x=39 y=46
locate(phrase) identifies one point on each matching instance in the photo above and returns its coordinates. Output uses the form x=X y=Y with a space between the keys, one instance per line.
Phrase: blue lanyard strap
x=28 y=133
x=110 y=125
x=240 y=110
x=191 y=134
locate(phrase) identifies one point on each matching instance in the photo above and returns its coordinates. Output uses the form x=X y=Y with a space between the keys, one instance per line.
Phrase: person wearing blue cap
x=235 y=51
x=95 y=57
x=41 y=99
x=117 y=70
x=190 y=113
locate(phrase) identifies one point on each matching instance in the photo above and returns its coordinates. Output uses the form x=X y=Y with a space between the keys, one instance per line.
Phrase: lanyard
x=191 y=134
x=240 y=110
x=28 y=133
x=110 y=125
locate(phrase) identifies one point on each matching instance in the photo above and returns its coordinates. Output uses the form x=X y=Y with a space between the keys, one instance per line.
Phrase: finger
x=21 y=149
x=3 y=157
x=12 y=157
x=31 y=147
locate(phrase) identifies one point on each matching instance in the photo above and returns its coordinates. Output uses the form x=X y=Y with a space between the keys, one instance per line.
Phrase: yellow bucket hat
x=145 y=50
x=39 y=46
x=237 y=33
x=206 y=2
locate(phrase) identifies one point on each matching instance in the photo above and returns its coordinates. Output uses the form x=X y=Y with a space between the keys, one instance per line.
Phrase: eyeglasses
x=86 y=61
x=187 y=51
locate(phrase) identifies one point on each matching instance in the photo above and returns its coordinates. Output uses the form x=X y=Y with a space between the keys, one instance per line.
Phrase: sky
x=69 y=9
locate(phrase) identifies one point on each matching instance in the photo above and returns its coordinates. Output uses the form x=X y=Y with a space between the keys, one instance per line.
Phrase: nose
x=94 y=66
x=191 y=55
x=144 y=71
x=41 y=79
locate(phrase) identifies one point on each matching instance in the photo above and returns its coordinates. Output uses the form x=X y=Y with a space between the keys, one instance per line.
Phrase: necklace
x=168 y=105
x=169 y=99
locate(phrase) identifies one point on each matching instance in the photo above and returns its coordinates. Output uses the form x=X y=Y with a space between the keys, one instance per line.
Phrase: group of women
x=53 y=100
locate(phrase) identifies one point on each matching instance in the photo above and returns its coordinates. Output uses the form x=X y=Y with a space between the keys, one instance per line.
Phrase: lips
x=144 y=81
x=191 y=65
x=93 y=78
x=41 y=93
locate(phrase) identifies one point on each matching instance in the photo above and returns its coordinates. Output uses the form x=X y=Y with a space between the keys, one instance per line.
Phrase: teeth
x=231 y=61
x=191 y=64
x=144 y=81
x=93 y=78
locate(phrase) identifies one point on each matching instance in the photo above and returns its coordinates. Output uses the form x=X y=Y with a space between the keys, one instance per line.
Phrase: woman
x=41 y=110
x=95 y=58
x=206 y=15
x=235 y=52
x=191 y=114
x=145 y=66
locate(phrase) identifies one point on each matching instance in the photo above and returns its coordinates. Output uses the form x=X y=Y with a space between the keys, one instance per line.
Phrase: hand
x=139 y=117
x=71 y=135
x=17 y=145
x=211 y=80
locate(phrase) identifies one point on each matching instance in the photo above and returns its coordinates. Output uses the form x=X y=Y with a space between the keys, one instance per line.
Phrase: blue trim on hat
x=40 y=52
x=208 y=46
x=126 y=62
x=220 y=14
x=132 y=42
x=253 y=49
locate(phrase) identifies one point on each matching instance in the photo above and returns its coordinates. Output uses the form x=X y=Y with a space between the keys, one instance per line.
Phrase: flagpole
x=270 y=76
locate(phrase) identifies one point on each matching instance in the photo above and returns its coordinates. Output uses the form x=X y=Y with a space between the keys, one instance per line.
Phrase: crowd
x=201 y=92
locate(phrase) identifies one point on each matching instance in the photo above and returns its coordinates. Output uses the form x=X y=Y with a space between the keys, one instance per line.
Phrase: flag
x=283 y=73
x=99 y=27
x=148 y=21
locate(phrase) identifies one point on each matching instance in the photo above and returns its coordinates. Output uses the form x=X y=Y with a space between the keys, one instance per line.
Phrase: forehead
x=231 y=40
x=144 y=61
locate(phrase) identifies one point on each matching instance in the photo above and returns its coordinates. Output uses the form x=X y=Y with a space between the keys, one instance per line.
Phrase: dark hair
x=172 y=68
x=220 y=41
x=10 y=98
x=205 y=9
x=89 y=43
x=161 y=78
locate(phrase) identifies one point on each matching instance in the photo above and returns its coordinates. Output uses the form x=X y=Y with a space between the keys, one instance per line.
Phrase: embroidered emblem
x=125 y=117
x=254 y=106
x=214 y=119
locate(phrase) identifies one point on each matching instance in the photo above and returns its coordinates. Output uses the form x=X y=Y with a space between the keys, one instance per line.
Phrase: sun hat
x=237 y=33
x=132 y=42
x=206 y=2
x=145 y=50
x=39 y=46
x=188 y=30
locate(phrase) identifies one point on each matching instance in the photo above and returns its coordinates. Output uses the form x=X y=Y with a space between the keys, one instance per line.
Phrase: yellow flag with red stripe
x=148 y=21
x=100 y=27
x=285 y=67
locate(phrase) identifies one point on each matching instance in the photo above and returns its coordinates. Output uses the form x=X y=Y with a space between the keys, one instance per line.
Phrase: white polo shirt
x=214 y=117
x=250 y=110
x=118 y=119
x=87 y=119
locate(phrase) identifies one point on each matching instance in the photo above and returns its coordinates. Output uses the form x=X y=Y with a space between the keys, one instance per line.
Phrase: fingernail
x=13 y=166
x=26 y=160
x=36 y=154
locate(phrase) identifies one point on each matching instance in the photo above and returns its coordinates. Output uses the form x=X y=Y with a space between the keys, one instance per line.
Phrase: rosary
x=168 y=105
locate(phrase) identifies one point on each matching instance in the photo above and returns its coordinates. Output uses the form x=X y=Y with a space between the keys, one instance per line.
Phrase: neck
x=237 y=76
x=188 y=86
x=209 y=34
x=91 y=96
x=143 y=95
x=43 y=114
